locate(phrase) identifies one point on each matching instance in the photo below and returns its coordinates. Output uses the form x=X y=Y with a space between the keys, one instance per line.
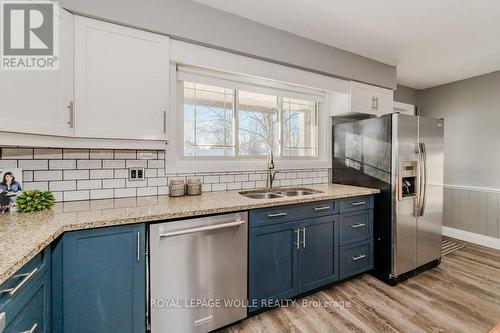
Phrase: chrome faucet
x=270 y=167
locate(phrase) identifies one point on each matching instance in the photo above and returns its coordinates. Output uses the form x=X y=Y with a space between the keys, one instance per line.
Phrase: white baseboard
x=471 y=237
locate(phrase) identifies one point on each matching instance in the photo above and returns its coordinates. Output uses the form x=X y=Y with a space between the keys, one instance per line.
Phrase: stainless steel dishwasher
x=198 y=273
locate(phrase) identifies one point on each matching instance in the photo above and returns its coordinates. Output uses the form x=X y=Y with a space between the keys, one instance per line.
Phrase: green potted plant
x=34 y=201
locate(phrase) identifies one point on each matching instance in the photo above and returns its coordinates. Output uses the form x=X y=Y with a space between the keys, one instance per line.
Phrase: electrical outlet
x=136 y=173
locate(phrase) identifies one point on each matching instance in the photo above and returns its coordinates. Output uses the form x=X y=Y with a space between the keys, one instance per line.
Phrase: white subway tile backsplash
x=8 y=163
x=75 y=174
x=125 y=154
x=62 y=164
x=17 y=153
x=76 y=195
x=145 y=191
x=147 y=155
x=89 y=184
x=42 y=186
x=150 y=173
x=136 y=163
x=27 y=176
x=47 y=153
x=136 y=183
x=76 y=154
x=47 y=175
x=159 y=181
x=80 y=174
x=101 y=174
x=210 y=179
x=125 y=192
x=89 y=164
x=33 y=164
x=101 y=194
x=101 y=154
x=226 y=178
x=113 y=183
x=219 y=187
x=113 y=164
x=159 y=164
x=64 y=185
x=58 y=196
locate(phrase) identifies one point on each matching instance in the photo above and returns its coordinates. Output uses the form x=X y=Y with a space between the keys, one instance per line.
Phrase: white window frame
x=185 y=54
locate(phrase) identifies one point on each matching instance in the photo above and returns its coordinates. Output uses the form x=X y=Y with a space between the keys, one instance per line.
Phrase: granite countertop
x=22 y=236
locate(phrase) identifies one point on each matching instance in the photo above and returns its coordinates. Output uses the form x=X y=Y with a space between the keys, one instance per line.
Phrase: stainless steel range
x=198 y=273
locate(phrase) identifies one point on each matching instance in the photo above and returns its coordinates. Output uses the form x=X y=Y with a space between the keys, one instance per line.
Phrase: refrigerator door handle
x=424 y=180
x=418 y=197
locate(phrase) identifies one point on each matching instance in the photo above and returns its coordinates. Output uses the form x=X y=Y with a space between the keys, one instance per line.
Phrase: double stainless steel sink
x=279 y=193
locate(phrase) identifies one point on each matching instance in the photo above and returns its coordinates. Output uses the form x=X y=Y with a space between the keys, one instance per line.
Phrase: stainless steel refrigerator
x=402 y=155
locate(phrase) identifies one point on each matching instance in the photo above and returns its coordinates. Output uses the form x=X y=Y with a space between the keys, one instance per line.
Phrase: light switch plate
x=135 y=174
x=2 y=322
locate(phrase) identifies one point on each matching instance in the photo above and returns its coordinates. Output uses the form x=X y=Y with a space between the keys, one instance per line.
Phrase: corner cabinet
x=363 y=99
x=99 y=280
x=39 y=102
x=121 y=81
x=298 y=248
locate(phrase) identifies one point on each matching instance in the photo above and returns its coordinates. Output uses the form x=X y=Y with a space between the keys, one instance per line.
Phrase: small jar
x=194 y=186
x=176 y=188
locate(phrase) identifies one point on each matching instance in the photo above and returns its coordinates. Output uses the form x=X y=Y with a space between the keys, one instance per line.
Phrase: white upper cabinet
x=38 y=102
x=363 y=99
x=121 y=81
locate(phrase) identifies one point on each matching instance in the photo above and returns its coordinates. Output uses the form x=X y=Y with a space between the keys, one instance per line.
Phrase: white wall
x=190 y=21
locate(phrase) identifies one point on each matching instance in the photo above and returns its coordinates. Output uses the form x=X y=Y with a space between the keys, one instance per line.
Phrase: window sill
x=190 y=166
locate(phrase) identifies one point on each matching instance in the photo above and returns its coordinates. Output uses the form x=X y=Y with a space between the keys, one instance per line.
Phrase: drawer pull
x=318 y=209
x=361 y=256
x=27 y=277
x=277 y=214
x=359 y=225
x=32 y=330
x=358 y=203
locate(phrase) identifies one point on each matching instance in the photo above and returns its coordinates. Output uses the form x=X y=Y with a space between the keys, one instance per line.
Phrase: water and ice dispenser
x=408 y=180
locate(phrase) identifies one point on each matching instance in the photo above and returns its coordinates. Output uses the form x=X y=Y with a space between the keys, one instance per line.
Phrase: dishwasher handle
x=200 y=229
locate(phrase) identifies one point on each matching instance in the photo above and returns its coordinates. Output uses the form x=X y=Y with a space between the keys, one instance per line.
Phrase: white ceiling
x=430 y=41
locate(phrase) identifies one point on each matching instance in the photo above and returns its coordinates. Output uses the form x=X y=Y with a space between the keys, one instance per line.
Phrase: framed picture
x=11 y=184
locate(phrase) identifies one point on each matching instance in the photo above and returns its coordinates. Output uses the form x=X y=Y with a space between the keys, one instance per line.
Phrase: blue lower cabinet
x=32 y=308
x=103 y=280
x=318 y=253
x=273 y=263
x=356 y=258
x=293 y=249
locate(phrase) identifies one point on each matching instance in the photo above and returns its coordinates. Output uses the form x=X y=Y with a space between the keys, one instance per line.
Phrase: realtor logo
x=29 y=35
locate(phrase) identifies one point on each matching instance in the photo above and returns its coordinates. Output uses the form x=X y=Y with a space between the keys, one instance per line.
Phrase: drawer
x=30 y=312
x=24 y=277
x=356 y=258
x=356 y=203
x=268 y=216
x=356 y=226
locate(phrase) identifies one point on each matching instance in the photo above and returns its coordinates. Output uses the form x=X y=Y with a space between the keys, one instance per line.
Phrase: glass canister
x=176 y=188
x=194 y=186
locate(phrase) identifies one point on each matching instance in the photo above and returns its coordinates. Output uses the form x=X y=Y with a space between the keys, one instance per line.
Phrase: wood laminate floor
x=460 y=295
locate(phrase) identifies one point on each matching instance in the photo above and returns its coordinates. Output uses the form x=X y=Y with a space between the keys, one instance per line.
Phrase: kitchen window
x=228 y=122
x=221 y=122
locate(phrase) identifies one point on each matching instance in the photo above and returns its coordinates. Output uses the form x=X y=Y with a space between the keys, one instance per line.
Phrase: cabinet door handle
x=71 y=111
x=359 y=225
x=318 y=209
x=358 y=203
x=297 y=243
x=361 y=256
x=277 y=214
x=304 y=238
x=376 y=103
x=27 y=277
x=138 y=246
x=32 y=329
